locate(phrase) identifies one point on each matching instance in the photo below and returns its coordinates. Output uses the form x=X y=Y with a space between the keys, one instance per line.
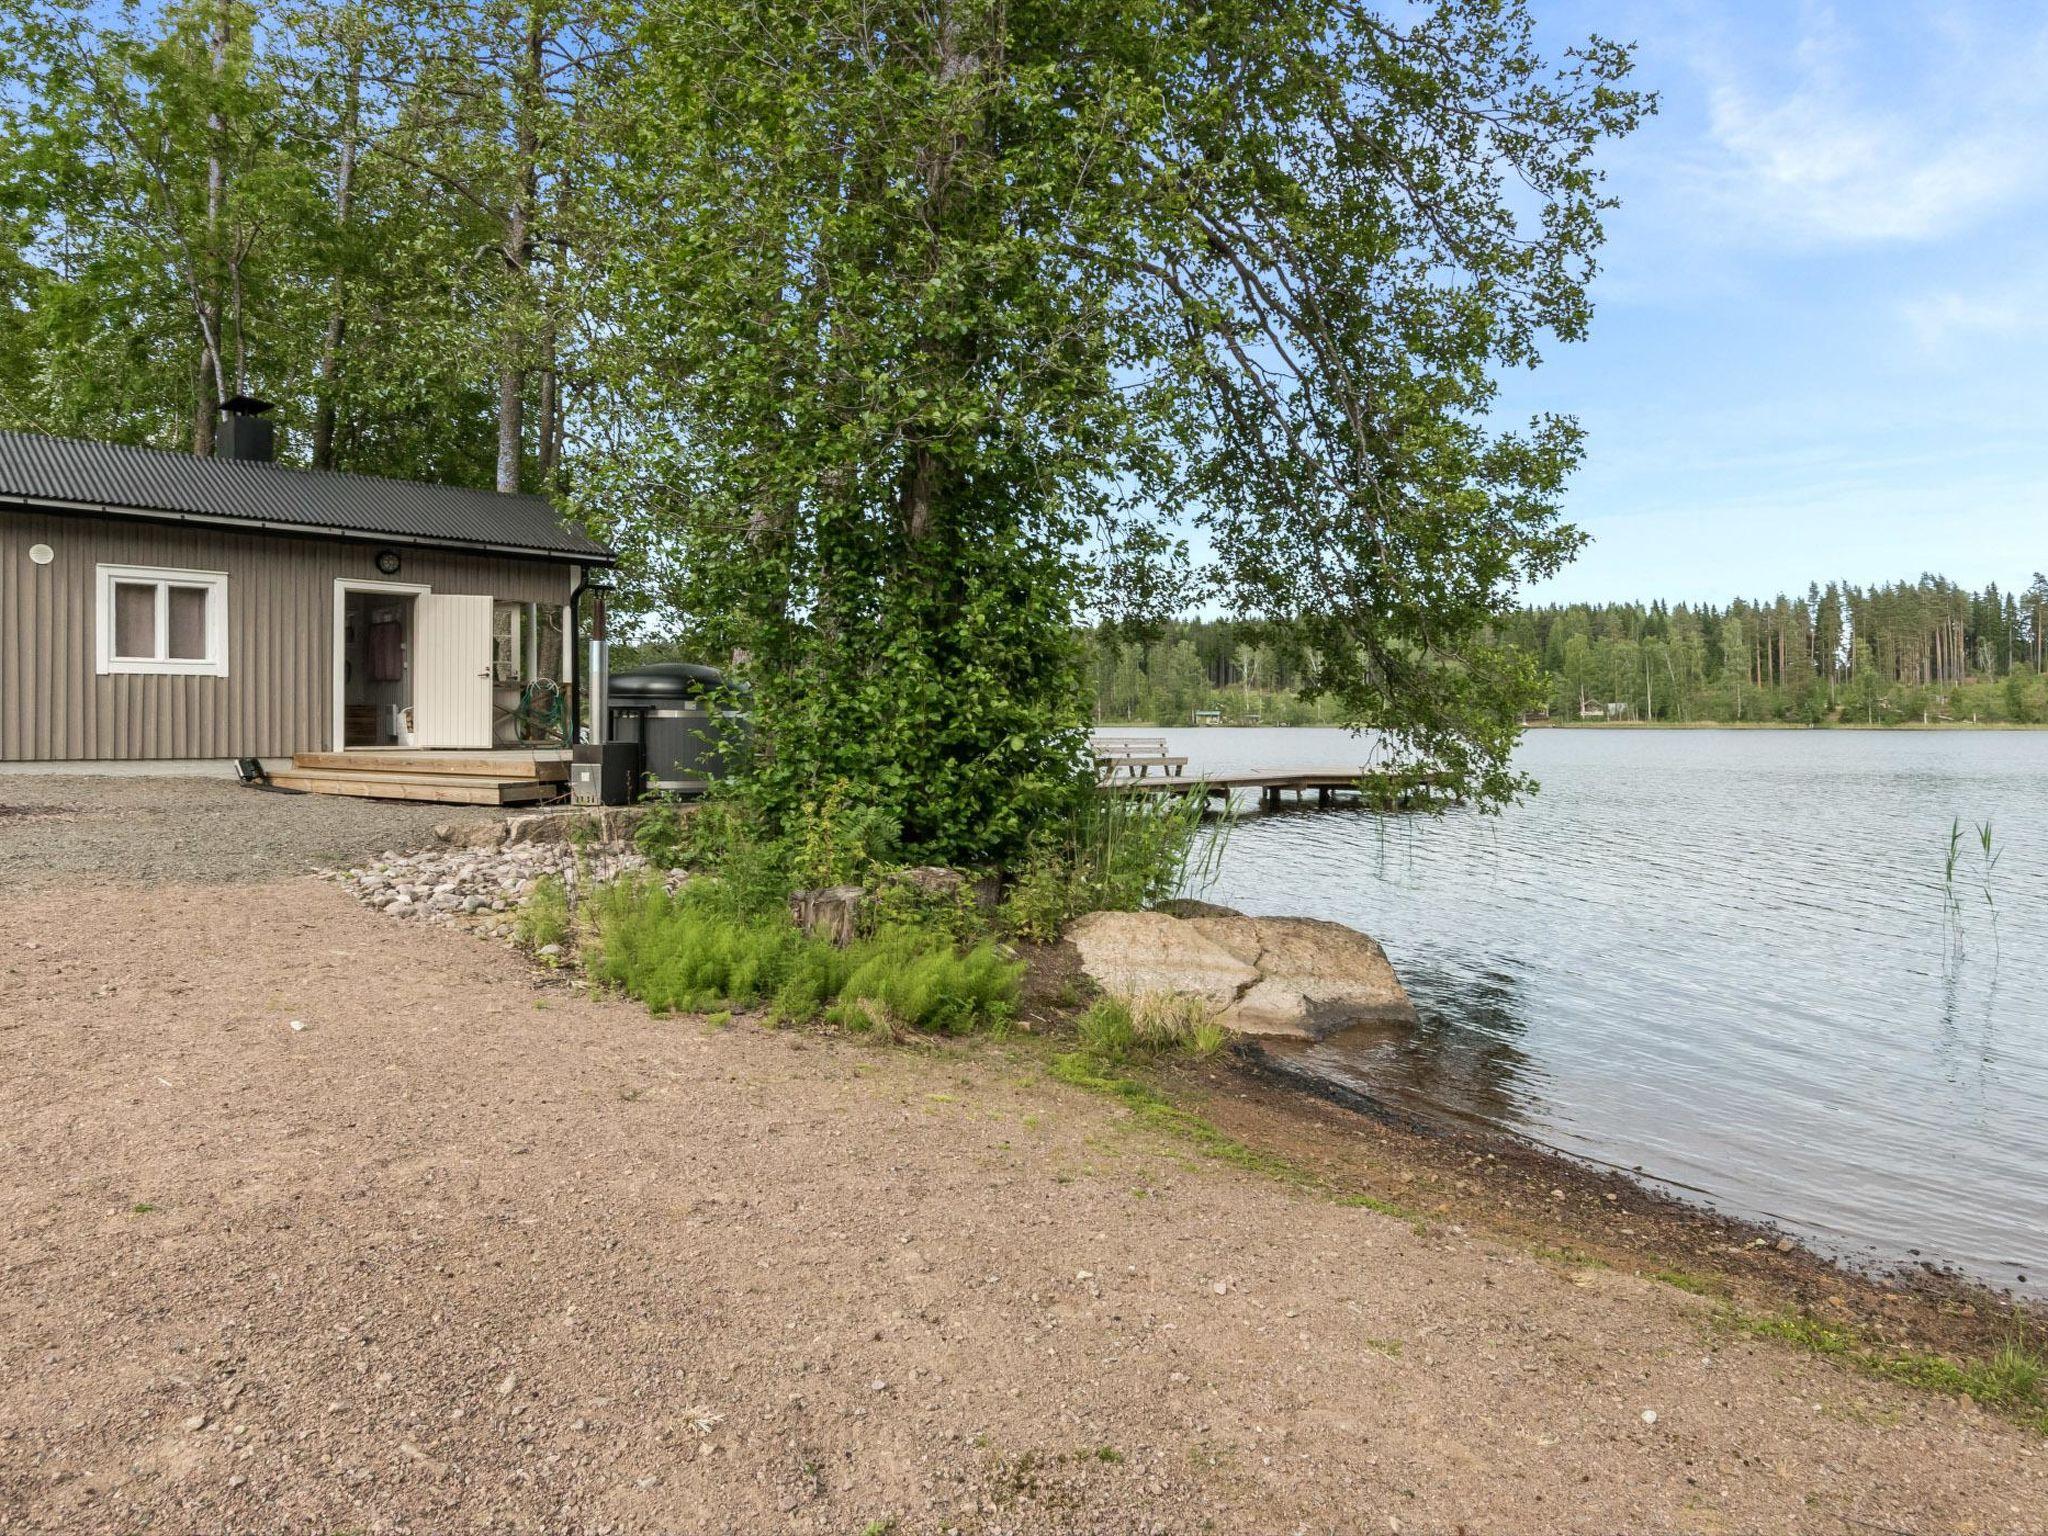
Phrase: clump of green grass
x=544 y=916
x=696 y=951
x=917 y=978
x=2010 y=1381
x=1366 y=1202
x=1119 y=1031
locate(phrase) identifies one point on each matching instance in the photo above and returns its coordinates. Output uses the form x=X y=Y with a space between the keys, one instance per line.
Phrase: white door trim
x=343 y=585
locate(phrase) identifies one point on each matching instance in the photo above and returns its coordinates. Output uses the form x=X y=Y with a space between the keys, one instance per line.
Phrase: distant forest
x=1911 y=652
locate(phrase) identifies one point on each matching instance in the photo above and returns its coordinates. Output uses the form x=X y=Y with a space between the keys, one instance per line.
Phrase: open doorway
x=377 y=664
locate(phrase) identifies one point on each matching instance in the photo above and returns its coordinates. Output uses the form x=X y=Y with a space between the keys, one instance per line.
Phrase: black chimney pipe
x=243 y=433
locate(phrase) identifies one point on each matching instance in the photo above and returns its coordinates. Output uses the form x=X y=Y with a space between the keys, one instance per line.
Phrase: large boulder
x=1143 y=954
x=1294 y=978
x=1315 y=977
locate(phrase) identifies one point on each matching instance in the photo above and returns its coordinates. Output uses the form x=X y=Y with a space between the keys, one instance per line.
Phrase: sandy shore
x=473 y=1250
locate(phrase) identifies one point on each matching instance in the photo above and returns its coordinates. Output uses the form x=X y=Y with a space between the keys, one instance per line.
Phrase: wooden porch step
x=549 y=765
x=446 y=788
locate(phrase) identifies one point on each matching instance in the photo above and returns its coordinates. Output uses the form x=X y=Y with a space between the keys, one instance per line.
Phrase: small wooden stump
x=829 y=912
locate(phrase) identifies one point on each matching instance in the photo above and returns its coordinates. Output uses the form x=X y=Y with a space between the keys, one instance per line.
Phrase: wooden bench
x=1134 y=757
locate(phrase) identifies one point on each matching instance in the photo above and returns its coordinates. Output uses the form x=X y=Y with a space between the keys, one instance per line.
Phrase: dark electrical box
x=604 y=773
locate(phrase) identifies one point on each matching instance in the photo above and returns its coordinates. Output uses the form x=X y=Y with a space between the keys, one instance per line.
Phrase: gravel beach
x=313 y=1220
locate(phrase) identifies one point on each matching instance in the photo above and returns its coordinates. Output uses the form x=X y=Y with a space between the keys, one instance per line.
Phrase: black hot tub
x=683 y=718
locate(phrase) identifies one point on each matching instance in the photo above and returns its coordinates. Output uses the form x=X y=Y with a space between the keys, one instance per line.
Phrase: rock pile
x=482 y=887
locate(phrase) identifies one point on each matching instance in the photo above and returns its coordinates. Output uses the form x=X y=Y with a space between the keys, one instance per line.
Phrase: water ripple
x=1724 y=957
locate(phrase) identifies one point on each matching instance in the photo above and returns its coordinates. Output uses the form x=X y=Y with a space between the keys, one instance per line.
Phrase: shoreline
x=1594 y=1224
x=1585 y=1218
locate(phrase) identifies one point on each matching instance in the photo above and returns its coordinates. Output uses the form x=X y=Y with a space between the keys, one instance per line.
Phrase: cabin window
x=164 y=621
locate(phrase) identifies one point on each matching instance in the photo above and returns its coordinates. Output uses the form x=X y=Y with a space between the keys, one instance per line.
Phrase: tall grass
x=1118 y=851
x=699 y=949
x=1120 y=1032
x=544 y=918
x=1952 y=871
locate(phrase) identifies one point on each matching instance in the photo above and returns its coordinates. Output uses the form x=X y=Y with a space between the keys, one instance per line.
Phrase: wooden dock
x=1377 y=788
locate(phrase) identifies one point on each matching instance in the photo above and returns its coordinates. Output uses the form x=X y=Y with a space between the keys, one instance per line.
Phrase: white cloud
x=1833 y=153
x=1942 y=322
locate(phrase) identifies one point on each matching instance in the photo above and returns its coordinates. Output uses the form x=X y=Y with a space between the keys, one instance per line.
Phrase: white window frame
x=215 y=661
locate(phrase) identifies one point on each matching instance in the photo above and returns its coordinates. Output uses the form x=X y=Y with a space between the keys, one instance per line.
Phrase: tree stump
x=829 y=912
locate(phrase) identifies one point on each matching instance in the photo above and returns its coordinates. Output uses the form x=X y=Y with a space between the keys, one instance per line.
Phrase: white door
x=451 y=694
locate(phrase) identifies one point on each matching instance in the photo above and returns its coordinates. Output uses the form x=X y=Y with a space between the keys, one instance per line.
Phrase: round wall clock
x=387 y=561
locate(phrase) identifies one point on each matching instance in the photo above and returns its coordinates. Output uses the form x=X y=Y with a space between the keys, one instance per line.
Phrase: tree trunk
x=337 y=314
x=519 y=256
x=204 y=406
x=207 y=293
x=511 y=418
x=549 y=450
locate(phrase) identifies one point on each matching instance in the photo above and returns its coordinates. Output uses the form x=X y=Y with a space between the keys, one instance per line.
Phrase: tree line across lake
x=1906 y=652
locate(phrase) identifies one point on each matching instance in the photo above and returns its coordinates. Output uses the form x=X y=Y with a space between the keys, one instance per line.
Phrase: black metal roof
x=118 y=478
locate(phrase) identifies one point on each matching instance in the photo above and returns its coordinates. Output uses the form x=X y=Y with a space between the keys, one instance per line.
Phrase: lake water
x=1725 y=958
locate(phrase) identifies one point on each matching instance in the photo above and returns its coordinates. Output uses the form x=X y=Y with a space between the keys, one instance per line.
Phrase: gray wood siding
x=277 y=698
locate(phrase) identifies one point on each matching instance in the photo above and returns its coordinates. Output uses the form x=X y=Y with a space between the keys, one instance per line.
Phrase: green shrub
x=843 y=842
x=723 y=839
x=1118 y=852
x=894 y=901
x=660 y=837
x=694 y=951
x=1043 y=898
x=544 y=916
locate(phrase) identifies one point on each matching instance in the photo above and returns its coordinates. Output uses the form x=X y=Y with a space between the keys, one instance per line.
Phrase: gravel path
x=470 y=1249
x=56 y=826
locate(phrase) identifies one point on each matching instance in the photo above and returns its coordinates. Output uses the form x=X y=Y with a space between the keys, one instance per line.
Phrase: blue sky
x=1821 y=345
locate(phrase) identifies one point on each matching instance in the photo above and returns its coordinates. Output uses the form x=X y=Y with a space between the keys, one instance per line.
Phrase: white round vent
x=42 y=554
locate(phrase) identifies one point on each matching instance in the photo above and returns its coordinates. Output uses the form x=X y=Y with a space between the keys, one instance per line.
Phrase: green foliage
x=895 y=901
x=1909 y=652
x=349 y=210
x=544 y=916
x=720 y=838
x=956 y=322
x=911 y=977
x=693 y=952
x=660 y=837
x=1114 y=852
x=841 y=841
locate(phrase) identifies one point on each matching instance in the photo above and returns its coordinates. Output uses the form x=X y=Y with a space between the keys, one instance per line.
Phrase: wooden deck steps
x=514 y=777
